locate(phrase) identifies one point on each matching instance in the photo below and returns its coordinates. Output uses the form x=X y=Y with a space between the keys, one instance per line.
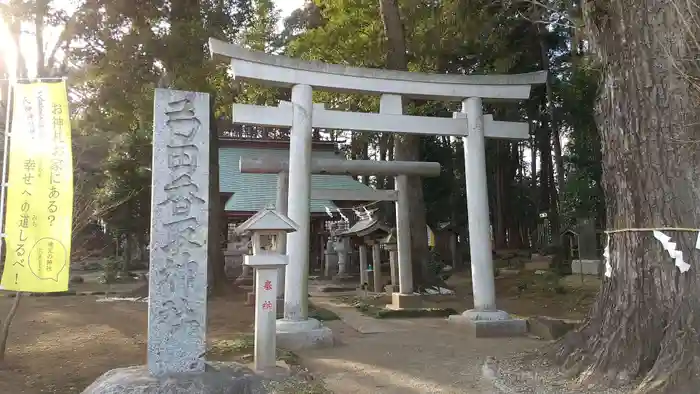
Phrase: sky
x=287 y=6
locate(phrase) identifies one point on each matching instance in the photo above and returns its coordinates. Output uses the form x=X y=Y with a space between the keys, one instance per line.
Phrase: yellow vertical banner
x=39 y=213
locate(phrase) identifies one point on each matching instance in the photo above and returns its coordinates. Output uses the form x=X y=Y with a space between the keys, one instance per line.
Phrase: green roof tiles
x=253 y=192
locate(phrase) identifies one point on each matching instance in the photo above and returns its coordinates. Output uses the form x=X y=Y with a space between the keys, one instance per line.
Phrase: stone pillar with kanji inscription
x=177 y=302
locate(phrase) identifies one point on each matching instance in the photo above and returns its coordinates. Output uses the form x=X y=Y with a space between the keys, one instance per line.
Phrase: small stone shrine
x=369 y=231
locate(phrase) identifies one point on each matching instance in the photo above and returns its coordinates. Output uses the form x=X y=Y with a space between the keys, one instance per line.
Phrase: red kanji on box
x=267 y=305
x=267 y=285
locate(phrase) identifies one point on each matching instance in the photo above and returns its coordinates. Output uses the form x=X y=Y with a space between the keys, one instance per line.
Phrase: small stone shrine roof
x=267 y=219
x=391 y=238
x=368 y=226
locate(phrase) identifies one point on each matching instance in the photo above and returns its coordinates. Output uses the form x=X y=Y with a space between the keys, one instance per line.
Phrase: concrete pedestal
x=405 y=301
x=586 y=267
x=246 y=277
x=390 y=289
x=490 y=324
x=303 y=334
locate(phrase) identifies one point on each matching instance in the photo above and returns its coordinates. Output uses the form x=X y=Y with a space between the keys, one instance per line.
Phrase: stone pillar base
x=280 y=305
x=217 y=378
x=343 y=278
x=303 y=334
x=490 y=324
x=405 y=301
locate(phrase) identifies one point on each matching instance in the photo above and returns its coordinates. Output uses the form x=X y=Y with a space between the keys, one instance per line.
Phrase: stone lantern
x=266 y=229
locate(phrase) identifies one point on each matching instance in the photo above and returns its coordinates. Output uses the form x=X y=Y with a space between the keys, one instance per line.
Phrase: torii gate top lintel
x=284 y=71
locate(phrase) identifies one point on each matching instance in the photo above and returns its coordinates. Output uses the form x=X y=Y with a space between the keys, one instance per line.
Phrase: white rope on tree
x=666 y=244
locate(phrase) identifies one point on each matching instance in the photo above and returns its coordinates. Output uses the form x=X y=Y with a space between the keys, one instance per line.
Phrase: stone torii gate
x=302 y=77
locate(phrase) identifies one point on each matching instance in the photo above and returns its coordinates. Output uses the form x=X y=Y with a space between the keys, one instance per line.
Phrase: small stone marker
x=267 y=228
x=177 y=303
x=589 y=261
x=390 y=245
x=587 y=243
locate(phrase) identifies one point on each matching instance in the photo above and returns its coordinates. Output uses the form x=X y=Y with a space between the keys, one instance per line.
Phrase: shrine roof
x=253 y=192
x=368 y=226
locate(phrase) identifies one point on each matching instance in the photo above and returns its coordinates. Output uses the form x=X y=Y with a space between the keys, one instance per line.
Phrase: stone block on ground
x=586 y=267
x=218 y=378
x=549 y=328
x=508 y=272
x=500 y=326
x=303 y=334
x=537 y=265
x=405 y=301
x=538 y=262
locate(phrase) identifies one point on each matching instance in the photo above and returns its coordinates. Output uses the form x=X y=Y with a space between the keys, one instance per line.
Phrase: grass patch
x=242 y=348
x=322 y=314
x=243 y=345
x=297 y=387
x=379 y=312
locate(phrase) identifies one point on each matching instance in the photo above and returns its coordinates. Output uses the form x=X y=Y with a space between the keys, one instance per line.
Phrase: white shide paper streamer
x=670 y=247
x=606 y=258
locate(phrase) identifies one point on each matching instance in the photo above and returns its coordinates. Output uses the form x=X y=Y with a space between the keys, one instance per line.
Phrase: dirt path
x=62 y=344
x=415 y=356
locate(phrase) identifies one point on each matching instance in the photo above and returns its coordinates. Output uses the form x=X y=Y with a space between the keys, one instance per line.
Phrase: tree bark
x=645 y=320
x=5 y=332
x=499 y=228
x=216 y=273
x=407 y=147
x=128 y=250
x=40 y=11
x=553 y=123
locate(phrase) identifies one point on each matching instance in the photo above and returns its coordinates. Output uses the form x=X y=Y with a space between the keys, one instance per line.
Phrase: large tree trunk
x=645 y=322
x=499 y=227
x=216 y=270
x=553 y=124
x=407 y=146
